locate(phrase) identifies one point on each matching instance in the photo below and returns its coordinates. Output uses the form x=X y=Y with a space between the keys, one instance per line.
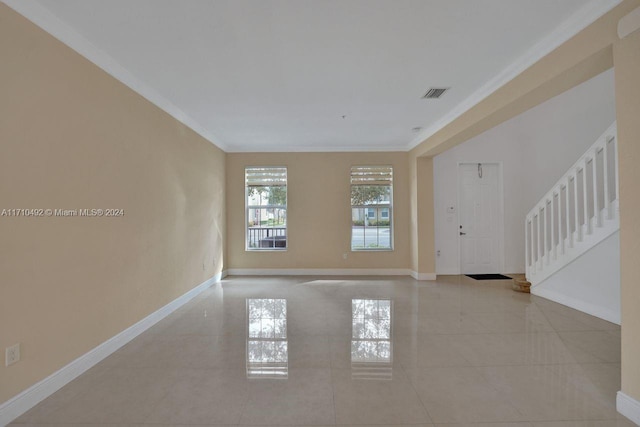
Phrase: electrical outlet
x=344 y=255
x=12 y=354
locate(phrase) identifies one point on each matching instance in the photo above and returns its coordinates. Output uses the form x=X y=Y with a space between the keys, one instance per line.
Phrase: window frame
x=247 y=207
x=378 y=206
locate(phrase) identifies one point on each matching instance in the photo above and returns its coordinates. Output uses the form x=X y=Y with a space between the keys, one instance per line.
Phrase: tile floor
x=355 y=351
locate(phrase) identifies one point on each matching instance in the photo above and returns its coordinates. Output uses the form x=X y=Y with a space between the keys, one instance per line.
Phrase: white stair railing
x=579 y=211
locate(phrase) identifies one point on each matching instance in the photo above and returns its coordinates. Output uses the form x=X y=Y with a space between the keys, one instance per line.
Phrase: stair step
x=521 y=285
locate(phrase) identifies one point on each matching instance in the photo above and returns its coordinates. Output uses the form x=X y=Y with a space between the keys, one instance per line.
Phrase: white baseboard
x=21 y=403
x=318 y=272
x=585 y=307
x=423 y=276
x=628 y=406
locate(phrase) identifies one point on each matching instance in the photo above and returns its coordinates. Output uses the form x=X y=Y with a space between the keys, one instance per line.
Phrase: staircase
x=580 y=211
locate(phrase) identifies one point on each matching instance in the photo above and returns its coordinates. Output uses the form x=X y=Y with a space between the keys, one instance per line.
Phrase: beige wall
x=73 y=137
x=426 y=231
x=318 y=211
x=582 y=57
x=422 y=222
x=627 y=74
x=413 y=214
x=585 y=55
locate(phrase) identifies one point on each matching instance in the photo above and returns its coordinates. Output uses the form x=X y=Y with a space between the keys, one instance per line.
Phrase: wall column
x=423 y=263
x=626 y=56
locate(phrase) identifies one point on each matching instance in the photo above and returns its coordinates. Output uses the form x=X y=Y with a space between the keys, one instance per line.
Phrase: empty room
x=320 y=213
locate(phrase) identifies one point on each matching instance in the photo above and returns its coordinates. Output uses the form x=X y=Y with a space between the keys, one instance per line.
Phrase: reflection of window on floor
x=267 y=346
x=371 y=340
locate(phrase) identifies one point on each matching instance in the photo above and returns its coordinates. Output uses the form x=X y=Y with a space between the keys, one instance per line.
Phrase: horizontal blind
x=371 y=175
x=266 y=176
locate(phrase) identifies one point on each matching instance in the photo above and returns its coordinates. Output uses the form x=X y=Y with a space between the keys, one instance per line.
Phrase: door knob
x=463 y=234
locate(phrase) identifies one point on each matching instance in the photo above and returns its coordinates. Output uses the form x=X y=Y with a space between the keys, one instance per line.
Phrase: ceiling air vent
x=435 y=92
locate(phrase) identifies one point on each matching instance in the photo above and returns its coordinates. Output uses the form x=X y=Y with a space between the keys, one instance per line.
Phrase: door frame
x=501 y=260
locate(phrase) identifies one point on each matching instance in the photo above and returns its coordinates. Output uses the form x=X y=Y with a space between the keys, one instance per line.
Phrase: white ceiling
x=279 y=75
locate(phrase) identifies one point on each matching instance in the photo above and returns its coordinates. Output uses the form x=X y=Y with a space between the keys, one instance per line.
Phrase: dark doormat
x=488 y=276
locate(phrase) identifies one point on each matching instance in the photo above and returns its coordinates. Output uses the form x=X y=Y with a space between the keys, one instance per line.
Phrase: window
x=266 y=196
x=371 y=207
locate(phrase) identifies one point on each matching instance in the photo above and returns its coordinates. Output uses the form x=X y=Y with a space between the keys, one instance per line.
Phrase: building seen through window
x=371 y=208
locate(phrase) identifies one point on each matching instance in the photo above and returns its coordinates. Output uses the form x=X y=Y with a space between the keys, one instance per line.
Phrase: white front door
x=479 y=226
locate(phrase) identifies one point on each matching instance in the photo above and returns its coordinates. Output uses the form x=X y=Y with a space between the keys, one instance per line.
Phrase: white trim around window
x=372 y=208
x=265 y=208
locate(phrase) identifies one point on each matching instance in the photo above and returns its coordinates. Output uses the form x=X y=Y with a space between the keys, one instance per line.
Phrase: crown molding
x=46 y=20
x=577 y=22
x=50 y=23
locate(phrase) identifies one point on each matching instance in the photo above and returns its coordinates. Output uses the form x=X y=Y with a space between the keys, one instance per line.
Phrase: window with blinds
x=371 y=208
x=266 y=208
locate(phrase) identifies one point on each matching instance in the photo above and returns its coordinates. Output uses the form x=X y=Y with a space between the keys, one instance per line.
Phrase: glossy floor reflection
x=355 y=351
